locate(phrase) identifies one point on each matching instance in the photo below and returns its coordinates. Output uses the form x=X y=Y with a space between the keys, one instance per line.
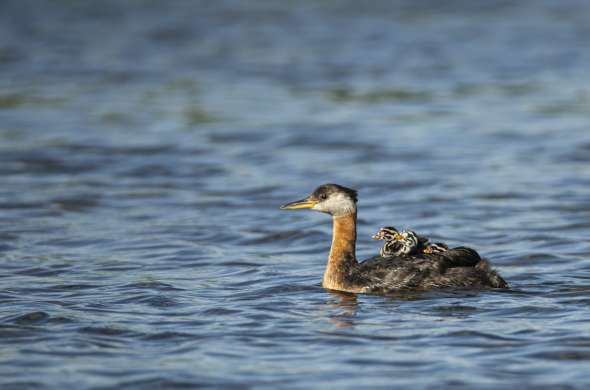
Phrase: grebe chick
x=436 y=247
x=458 y=267
x=406 y=243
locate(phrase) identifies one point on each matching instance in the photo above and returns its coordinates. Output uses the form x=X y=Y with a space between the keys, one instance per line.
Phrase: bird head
x=387 y=233
x=332 y=199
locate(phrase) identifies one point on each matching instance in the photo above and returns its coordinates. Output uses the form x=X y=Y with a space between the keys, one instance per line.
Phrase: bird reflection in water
x=345 y=305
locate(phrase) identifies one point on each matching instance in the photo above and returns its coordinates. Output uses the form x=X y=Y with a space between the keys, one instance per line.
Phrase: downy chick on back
x=405 y=243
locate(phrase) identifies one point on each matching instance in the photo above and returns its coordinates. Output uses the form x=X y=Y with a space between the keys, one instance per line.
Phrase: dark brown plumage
x=455 y=268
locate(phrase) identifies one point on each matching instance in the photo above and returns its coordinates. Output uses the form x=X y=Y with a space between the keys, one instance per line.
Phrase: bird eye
x=323 y=196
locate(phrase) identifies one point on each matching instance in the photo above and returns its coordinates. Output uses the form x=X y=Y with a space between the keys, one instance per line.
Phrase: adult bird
x=459 y=267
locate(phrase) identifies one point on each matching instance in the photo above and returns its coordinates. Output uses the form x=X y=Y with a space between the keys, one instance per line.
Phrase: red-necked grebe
x=457 y=267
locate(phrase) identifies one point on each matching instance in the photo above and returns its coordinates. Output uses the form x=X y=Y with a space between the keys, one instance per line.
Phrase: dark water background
x=145 y=147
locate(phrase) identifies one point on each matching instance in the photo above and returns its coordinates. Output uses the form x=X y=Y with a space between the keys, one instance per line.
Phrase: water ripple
x=143 y=163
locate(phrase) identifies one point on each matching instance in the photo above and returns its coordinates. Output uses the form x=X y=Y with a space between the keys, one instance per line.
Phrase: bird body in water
x=453 y=268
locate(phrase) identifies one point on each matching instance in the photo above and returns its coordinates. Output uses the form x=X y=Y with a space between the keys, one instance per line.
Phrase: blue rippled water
x=145 y=147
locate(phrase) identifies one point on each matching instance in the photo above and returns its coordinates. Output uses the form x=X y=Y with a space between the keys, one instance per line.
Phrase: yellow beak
x=300 y=204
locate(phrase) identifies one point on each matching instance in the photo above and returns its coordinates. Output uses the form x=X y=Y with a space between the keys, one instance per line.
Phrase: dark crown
x=329 y=189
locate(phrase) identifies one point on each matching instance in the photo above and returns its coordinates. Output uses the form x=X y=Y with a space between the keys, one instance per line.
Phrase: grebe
x=405 y=243
x=458 y=267
x=436 y=247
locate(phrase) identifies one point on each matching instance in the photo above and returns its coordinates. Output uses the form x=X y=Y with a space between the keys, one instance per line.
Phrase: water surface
x=145 y=148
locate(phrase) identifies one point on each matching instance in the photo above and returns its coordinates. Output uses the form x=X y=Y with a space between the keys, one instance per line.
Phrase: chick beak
x=306 y=203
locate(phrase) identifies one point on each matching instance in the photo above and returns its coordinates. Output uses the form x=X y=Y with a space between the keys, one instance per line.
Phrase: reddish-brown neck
x=342 y=253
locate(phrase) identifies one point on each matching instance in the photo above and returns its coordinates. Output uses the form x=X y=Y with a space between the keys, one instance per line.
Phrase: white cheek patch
x=337 y=205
